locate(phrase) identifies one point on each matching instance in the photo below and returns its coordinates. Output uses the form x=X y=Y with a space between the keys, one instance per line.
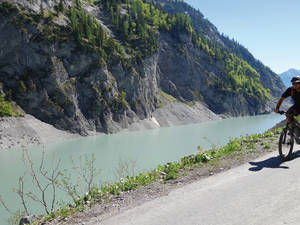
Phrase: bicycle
x=288 y=136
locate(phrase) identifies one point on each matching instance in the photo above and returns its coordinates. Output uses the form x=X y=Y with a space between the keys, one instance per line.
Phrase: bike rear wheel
x=286 y=144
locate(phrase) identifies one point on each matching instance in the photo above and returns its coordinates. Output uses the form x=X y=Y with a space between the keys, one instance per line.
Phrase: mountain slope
x=102 y=65
x=204 y=28
x=288 y=75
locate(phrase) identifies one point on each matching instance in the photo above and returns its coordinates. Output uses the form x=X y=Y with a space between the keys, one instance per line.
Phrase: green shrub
x=5 y=108
x=267 y=146
x=7 y=8
x=171 y=170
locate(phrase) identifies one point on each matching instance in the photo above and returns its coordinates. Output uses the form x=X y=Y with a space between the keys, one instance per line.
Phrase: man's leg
x=289 y=115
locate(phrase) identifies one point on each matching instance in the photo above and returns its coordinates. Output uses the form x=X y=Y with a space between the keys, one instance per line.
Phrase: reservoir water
x=146 y=148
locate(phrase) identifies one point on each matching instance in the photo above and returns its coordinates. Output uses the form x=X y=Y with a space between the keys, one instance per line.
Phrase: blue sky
x=269 y=29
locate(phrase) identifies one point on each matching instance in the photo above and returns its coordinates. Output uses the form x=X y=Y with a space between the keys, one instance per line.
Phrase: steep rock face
x=35 y=5
x=186 y=74
x=64 y=85
x=204 y=27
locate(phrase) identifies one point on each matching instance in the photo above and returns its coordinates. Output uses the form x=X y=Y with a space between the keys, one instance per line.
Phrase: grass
x=8 y=108
x=167 y=96
x=164 y=173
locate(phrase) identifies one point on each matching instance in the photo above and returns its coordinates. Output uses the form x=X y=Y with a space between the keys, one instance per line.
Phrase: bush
x=171 y=170
x=5 y=108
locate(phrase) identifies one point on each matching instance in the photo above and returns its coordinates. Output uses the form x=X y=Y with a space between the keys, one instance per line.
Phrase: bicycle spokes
x=286 y=144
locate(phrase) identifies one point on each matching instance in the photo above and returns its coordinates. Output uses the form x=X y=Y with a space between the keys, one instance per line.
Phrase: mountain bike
x=288 y=136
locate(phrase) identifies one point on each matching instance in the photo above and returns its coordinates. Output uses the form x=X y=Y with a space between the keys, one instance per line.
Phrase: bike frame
x=295 y=124
x=287 y=137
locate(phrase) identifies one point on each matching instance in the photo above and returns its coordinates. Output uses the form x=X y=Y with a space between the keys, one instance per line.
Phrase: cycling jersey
x=294 y=94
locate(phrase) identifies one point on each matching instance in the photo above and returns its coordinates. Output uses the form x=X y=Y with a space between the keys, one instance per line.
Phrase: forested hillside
x=206 y=29
x=101 y=65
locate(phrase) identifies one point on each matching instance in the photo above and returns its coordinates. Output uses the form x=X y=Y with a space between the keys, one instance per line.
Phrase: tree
x=78 y=4
x=42 y=12
x=140 y=12
x=87 y=21
x=99 y=36
x=61 y=7
x=112 y=15
x=48 y=179
x=117 y=17
x=125 y=29
x=74 y=23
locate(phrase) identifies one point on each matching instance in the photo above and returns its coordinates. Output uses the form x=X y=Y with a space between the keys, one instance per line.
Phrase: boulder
x=28 y=220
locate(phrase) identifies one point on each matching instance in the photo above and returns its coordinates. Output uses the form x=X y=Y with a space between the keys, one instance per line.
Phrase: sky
x=269 y=29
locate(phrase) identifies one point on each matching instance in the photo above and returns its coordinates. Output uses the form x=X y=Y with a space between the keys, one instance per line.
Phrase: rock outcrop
x=62 y=84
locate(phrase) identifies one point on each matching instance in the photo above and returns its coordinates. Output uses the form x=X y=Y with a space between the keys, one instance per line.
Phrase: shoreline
x=23 y=132
x=247 y=150
x=17 y=132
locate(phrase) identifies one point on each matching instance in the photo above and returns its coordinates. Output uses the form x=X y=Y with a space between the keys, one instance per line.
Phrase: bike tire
x=286 y=144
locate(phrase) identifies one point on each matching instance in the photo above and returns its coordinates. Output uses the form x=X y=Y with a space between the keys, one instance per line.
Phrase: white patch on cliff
x=153 y=119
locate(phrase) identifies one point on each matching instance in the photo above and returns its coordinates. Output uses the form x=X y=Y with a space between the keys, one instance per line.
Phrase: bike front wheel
x=286 y=144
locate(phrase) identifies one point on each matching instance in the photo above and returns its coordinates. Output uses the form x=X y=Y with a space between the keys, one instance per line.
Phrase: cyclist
x=294 y=92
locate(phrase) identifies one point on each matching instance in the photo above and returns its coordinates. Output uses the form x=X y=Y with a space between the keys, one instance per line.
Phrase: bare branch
x=34 y=197
x=125 y=168
x=21 y=193
x=51 y=178
x=67 y=186
x=2 y=202
x=86 y=170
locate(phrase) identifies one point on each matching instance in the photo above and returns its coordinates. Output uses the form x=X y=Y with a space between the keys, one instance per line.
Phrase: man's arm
x=279 y=104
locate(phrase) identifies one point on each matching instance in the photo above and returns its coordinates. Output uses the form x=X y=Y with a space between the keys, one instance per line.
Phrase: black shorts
x=293 y=110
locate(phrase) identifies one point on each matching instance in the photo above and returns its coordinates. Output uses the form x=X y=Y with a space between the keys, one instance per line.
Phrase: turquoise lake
x=146 y=149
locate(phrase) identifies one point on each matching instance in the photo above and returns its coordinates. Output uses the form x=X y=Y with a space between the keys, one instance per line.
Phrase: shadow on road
x=273 y=162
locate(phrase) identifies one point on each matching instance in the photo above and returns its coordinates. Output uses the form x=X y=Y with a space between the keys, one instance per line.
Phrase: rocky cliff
x=73 y=85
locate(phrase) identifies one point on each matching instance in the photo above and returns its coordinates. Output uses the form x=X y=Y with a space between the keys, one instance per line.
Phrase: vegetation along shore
x=130 y=191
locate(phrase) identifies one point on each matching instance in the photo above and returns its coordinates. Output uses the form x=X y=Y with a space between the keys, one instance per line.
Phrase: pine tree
x=88 y=26
x=130 y=28
x=107 y=5
x=61 y=7
x=118 y=15
x=125 y=28
x=74 y=23
x=42 y=12
x=112 y=14
x=78 y=4
x=99 y=36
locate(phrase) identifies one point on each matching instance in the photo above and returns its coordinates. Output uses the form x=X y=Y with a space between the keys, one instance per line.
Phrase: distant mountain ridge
x=288 y=75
